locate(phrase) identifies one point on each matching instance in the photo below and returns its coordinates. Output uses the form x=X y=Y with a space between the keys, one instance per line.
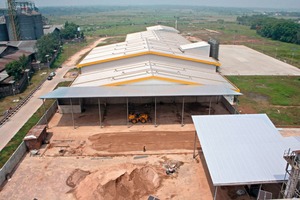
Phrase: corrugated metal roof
x=137 y=91
x=194 y=45
x=159 y=67
x=161 y=27
x=162 y=42
x=242 y=149
x=25 y=45
x=51 y=28
x=2 y=49
x=3 y=75
x=11 y=57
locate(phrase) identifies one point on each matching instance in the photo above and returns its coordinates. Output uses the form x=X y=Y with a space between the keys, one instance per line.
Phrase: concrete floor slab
x=241 y=60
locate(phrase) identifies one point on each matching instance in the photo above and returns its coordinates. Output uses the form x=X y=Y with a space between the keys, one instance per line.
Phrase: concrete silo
x=23 y=21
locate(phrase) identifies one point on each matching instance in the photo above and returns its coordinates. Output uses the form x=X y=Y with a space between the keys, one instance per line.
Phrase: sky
x=285 y=4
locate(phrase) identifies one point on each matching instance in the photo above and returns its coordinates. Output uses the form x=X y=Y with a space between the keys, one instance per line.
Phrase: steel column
x=236 y=105
x=155 y=112
x=216 y=190
x=194 y=154
x=209 y=106
x=182 y=113
x=72 y=113
x=127 y=112
x=100 y=118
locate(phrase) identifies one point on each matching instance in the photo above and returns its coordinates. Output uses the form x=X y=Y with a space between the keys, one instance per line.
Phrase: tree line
x=285 y=30
x=50 y=43
x=46 y=46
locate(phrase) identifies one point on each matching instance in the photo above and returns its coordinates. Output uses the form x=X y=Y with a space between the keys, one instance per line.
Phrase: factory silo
x=30 y=26
x=3 y=32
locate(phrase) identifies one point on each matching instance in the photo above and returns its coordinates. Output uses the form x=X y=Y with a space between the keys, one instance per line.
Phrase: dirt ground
x=116 y=114
x=116 y=162
x=72 y=61
x=102 y=178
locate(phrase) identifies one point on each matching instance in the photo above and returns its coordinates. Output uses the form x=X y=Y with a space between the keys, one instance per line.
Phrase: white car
x=52 y=74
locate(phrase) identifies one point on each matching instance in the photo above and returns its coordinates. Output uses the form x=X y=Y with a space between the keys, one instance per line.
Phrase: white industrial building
x=157 y=65
x=244 y=150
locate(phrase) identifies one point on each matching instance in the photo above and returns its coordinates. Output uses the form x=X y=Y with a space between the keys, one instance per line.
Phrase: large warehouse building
x=157 y=66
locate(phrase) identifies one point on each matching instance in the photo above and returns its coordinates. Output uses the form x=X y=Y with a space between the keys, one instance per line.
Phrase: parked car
x=49 y=78
x=52 y=74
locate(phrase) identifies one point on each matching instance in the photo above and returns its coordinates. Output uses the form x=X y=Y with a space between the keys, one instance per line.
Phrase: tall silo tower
x=23 y=21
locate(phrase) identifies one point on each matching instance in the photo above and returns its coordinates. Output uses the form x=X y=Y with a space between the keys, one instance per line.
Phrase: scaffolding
x=290 y=189
x=12 y=14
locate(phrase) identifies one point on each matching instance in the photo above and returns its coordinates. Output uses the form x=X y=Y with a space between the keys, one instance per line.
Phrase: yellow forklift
x=137 y=117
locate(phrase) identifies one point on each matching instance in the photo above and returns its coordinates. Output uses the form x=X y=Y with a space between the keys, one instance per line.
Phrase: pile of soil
x=115 y=142
x=76 y=177
x=132 y=182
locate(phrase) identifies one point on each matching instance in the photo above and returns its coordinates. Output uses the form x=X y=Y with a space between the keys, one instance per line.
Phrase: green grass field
x=275 y=95
x=119 y=21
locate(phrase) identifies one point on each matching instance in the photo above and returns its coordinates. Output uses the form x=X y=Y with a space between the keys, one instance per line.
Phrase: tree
x=23 y=61
x=70 y=31
x=284 y=30
x=46 y=46
x=14 y=69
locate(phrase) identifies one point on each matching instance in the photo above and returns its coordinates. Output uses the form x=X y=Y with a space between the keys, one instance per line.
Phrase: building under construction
x=22 y=22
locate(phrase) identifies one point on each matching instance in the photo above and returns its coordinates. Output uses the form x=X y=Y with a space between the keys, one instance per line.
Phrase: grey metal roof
x=159 y=41
x=159 y=67
x=138 y=91
x=26 y=45
x=3 y=75
x=242 y=149
x=51 y=28
x=2 y=49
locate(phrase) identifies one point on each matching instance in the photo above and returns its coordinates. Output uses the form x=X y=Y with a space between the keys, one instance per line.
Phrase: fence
x=48 y=114
x=13 y=161
x=14 y=110
x=14 y=89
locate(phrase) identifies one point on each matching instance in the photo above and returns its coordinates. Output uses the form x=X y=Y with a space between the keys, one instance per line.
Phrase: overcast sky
x=294 y=4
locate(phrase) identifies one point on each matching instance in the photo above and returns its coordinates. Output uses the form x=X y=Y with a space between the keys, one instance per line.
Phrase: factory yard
x=90 y=162
x=127 y=177
x=241 y=60
x=116 y=162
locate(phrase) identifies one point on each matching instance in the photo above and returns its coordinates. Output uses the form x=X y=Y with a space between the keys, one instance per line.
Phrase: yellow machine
x=134 y=118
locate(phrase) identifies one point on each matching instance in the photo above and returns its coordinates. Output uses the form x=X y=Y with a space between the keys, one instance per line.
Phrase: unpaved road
x=72 y=61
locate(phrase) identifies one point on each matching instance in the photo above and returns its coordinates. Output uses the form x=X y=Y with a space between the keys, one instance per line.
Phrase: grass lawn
x=69 y=49
x=277 y=96
x=7 y=102
x=194 y=21
x=13 y=144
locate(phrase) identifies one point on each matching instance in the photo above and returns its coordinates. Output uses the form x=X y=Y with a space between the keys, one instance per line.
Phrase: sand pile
x=129 y=182
x=76 y=177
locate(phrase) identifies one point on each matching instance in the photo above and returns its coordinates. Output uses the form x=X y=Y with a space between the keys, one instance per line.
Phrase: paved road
x=241 y=60
x=11 y=127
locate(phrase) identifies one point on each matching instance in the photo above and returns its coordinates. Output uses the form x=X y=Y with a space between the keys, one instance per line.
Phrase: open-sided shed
x=242 y=149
